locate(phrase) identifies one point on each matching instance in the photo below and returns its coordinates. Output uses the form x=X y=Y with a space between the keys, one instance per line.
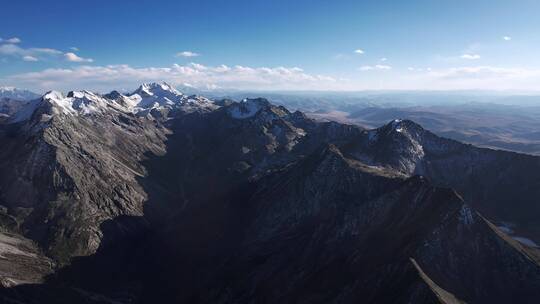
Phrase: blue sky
x=295 y=45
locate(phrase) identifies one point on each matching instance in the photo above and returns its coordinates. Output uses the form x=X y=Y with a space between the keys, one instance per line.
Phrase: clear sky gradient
x=281 y=45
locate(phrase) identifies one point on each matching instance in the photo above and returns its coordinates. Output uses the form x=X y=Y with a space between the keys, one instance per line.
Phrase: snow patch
x=61 y=103
x=396 y=125
x=86 y=102
x=300 y=132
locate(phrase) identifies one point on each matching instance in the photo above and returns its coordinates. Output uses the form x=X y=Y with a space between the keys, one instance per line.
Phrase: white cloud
x=30 y=58
x=359 y=51
x=74 y=48
x=187 y=54
x=124 y=77
x=470 y=56
x=13 y=40
x=105 y=78
x=383 y=67
x=417 y=69
x=486 y=72
x=44 y=51
x=380 y=67
x=72 y=57
x=384 y=59
x=470 y=52
x=14 y=50
x=475 y=78
x=507 y=38
x=10 y=48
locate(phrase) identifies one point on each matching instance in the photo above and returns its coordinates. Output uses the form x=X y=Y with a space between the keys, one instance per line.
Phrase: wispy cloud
x=187 y=54
x=380 y=67
x=359 y=51
x=419 y=69
x=14 y=50
x=471 y=52
x=486 y=72
x=13 y=40
x=366 y=68
x=11 y=48
x=383 y=67
x=74 y=48
x=384 y=59
x=475 y=78
x=507 y=38
x=470 y=56
x=30 y=58
x=72 y=57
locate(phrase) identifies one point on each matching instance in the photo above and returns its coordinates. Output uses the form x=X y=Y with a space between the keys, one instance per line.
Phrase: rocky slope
x=502 y=185
x=156 y=196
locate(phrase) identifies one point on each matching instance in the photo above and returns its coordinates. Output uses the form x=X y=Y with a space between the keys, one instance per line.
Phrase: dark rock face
x=160 y=197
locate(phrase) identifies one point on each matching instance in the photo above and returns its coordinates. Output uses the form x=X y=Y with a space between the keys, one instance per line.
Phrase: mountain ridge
x=127 y=192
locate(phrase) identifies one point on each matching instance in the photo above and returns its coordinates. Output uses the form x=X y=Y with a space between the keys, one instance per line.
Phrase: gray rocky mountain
x=157 y=196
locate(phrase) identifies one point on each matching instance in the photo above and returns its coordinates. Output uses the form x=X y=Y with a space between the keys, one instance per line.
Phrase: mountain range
x=18 y=94
x=500 y=120
x=160 y=197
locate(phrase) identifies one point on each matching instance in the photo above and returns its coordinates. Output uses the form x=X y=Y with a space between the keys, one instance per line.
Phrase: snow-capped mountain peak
x=82 y=94
x=248 y=107
x=59 y=102
x=400 y=143
x=129 y=102
x=79 y=102
x=396 y=125
x=17 y=94
x=149 y=99
x=404 y=126
x=155 y=95
x=162 y=89
x=53 y=95
x=86 y=102
x=51 y=103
